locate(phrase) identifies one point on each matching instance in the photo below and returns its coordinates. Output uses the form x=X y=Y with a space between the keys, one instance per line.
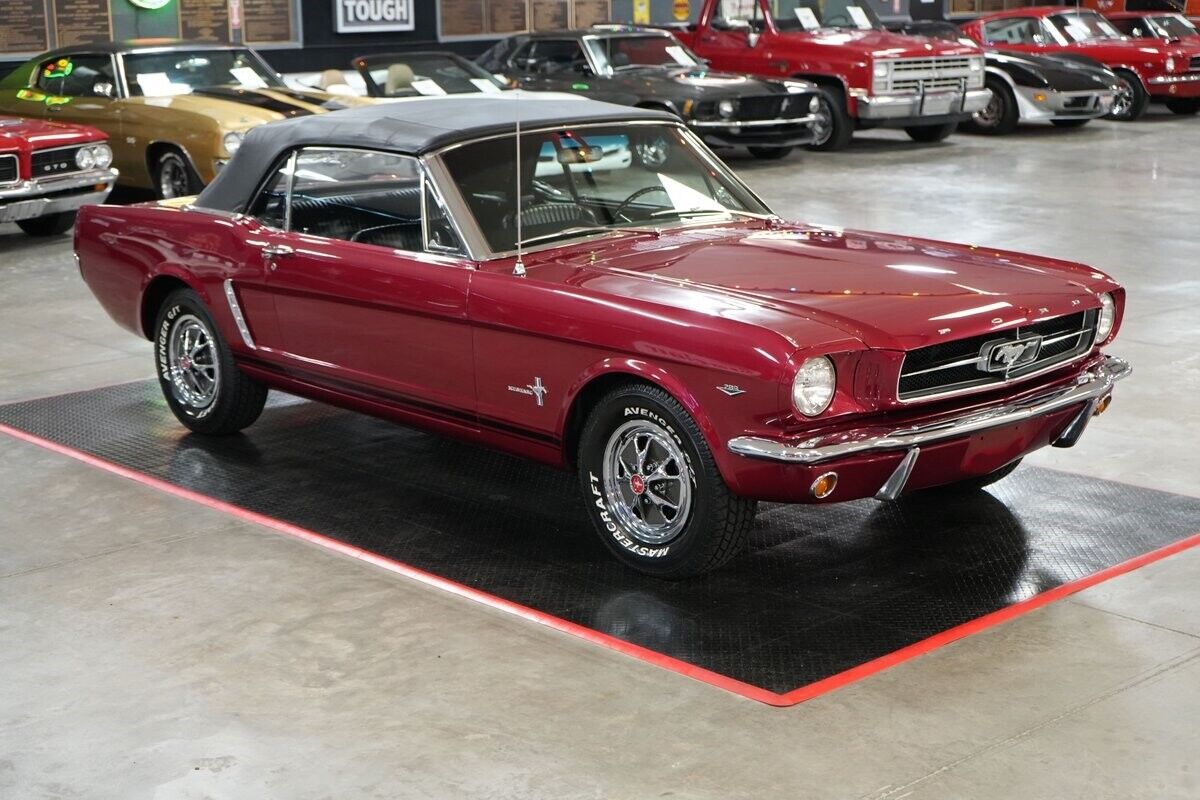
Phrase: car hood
x=883 y=44
x=16 y=133
x=700 y=83
x=238 y=107
x=889 y=292
x=1063 y=73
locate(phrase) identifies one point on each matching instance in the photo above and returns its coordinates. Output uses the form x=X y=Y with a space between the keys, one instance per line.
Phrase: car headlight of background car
x=1108 y=316
x=231 y=141
x=726 y=108
x=93 y=156
x=1170 y=64
x=812 y=388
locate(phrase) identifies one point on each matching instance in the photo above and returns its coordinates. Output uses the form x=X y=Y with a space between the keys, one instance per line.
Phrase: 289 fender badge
x=731 y=390
x=535 y=390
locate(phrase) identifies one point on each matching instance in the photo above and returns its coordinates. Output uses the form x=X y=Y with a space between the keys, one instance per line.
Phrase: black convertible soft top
x=409 y=127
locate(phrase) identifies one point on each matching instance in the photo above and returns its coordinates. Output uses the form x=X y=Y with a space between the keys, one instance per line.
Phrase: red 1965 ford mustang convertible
x=662 y=332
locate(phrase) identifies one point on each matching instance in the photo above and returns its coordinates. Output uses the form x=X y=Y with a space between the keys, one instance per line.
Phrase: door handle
x=277 y=250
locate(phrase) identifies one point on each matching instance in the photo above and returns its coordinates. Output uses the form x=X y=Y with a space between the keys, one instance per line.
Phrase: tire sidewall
x=183 y=303
x=627 y=407
x=839 y=121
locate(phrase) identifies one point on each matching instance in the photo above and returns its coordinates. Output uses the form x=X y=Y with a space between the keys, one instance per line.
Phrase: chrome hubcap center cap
x=638 y=484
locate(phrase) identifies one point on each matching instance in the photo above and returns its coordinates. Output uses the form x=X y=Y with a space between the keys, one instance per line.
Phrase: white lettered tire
x=652 y=488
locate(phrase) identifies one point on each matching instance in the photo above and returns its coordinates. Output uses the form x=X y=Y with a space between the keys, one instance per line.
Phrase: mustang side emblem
x=731 y=390
x=1003 y=356
x=535 y=390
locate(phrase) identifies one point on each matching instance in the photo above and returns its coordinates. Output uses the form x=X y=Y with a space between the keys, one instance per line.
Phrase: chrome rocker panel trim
x=1090 y=386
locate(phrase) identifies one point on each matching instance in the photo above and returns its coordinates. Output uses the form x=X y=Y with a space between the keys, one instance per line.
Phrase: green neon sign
x=150 y=5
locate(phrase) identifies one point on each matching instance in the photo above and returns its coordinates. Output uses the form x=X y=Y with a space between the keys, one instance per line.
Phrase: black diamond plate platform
x=823 y=590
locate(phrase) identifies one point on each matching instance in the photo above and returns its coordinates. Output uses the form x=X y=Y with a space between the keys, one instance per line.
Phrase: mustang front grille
x=55 y=161
x=995 y=358
x=767 y=107
x=8 y=168
x=913 y=74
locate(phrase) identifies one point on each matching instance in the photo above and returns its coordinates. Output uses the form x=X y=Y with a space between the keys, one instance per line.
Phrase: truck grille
x=8 y=168
x=56 y=161
x=939 y=72
x=962 y=364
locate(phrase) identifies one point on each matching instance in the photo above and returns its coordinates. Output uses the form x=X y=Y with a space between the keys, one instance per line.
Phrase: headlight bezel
x=814 y=386
x=1106 y=320
x=231 y=141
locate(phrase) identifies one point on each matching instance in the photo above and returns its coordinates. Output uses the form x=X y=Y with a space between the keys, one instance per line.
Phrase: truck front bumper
x=883 y=461
x=790 y=132
x=42 y=196
x=921 y=109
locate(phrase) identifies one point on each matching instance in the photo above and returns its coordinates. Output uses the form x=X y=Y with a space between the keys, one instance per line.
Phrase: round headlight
x=102 y=153
x=84 y=159
x=725 y=108
x=1108 y=316
x=232 y=141
x=1170 y=64
x=812 y=389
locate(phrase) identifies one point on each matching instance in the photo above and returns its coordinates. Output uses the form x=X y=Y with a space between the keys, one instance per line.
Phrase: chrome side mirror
x=752 y=38
x=102 y=89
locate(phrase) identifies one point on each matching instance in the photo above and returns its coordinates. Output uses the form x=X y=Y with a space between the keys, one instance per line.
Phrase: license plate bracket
x=939 y=103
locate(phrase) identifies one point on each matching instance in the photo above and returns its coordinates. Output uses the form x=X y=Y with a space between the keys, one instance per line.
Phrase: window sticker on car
x=485 y=86
x=248 y=78
x=157 y=84
x=685 y=198
x=427 y=87
x=680 y=55
x=859 y=18
x=808 y=20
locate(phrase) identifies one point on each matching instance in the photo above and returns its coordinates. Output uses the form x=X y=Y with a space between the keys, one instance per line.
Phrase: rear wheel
x=174 y=176
x=199 y=379
x=1069 y=123
x=49 y=225
x=1132 y=98
x=1185 y=107
x=832 y=127
x=652 y=487
x=1000 y=116
x=769 y=153
x=930 y=133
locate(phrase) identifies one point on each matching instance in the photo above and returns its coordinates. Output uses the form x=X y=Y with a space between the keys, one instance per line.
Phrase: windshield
x=641 y=51
x=591 y=179
x=800 y=15
x=1082 y=26
x=413 y=74
x=1173 y=26
x=183 y=71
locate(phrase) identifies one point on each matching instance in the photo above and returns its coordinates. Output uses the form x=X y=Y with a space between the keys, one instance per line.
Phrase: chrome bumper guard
x=903 y=106
x=1090 y=387
x=28 y=199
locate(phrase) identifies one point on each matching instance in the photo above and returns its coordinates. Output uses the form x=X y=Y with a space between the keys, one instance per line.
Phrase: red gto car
x=655 y=327
x=871 y=77
x=49 y=170
x=1168 y=71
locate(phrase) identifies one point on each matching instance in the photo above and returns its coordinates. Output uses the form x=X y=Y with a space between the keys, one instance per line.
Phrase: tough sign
x=364 y=16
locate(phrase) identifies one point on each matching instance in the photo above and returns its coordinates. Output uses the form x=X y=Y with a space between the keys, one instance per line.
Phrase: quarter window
x=1019 y=30
x=552 y=57
x=77 y=76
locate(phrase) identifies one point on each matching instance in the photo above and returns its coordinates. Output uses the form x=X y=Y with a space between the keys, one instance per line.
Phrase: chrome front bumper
x=907 y=106
x=55 y=195
x=1187 y=77
x=734 y=124
x=1089 y=388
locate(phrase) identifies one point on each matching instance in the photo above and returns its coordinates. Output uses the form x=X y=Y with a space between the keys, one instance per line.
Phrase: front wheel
x=1185 y=107
x=769 y=153
x=1132 y=98
x=832 y=127
x=930 y=133
x=48 y=225
x=174 y=176
x=202 y=385
x=1001 y=114
x=653 y=489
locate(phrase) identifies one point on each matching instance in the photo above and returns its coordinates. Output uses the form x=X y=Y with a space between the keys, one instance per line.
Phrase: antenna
x=519 y=267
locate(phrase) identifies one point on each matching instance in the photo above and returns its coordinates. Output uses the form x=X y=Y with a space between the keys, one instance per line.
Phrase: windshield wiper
x=581 y=230
x=707 y=212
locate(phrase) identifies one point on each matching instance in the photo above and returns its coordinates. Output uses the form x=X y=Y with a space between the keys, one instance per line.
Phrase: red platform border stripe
x=746 y=690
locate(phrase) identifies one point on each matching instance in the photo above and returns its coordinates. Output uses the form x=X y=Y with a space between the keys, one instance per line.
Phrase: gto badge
x=731 y=390
x=535 y=390
x=1004 y=355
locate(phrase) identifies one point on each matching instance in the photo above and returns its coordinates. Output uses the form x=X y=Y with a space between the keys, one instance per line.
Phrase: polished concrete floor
x=150 y=647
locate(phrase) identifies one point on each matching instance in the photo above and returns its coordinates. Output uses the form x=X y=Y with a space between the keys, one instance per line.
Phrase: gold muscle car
x=174 y=112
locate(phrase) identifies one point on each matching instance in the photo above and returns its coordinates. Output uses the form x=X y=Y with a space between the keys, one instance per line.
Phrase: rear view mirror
x=583 y=154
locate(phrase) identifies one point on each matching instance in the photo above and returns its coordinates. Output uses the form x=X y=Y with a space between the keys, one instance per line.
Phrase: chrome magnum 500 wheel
x=201 y=383
x=652 y=488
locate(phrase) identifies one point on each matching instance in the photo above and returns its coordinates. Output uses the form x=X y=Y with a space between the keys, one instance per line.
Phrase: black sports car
x=653 y=69
x=1068 y=91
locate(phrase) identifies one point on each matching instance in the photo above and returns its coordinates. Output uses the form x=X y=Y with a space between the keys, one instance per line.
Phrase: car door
x=81 y=88
x=734 y=36
x=368 y=281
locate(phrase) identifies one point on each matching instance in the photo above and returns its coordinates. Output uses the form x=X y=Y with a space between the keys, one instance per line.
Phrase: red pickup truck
x=870 y=77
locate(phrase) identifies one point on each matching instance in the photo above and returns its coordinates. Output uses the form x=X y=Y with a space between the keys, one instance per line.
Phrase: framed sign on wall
x=369 y=16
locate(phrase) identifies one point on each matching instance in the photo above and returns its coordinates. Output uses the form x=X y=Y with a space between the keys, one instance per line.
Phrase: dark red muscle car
x=48 y=170
x=687 y=351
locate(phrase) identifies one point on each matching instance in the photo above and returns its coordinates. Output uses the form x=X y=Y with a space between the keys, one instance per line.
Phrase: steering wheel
x=645 y=190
